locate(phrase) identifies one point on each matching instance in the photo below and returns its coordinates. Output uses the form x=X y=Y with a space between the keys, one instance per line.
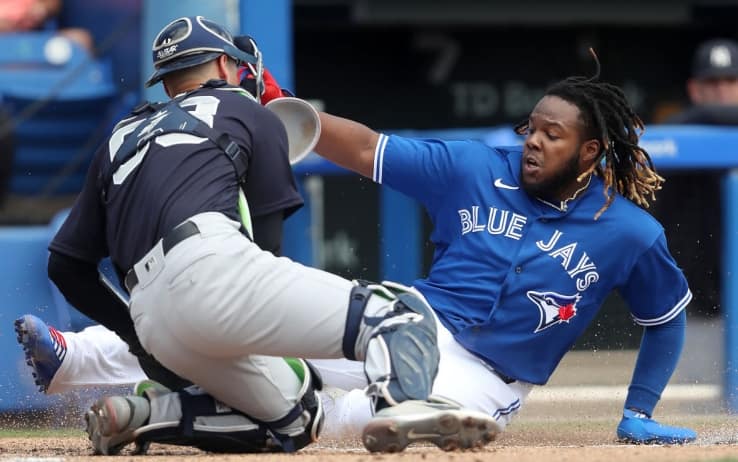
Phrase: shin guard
x=392 y=328
x=192 y=417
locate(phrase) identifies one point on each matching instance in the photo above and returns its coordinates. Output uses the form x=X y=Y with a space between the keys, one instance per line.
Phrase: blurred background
x=451 y=69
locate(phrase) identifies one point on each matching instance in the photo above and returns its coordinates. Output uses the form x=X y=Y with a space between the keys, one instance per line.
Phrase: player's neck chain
x=563 y=205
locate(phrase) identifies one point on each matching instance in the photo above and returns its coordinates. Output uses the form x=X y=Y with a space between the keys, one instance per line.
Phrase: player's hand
x=638 y=428
x=271 y=89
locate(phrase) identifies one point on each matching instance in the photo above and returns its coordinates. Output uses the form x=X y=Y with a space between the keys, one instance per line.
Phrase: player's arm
x=657 y=359
x=80 y=284
x=347 y=143
x=75 y=251
x=657 y=293
x=268 y=232
x=658 y=356
x=342 y=141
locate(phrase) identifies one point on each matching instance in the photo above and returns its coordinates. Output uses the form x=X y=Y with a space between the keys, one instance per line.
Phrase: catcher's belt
x=178 y=234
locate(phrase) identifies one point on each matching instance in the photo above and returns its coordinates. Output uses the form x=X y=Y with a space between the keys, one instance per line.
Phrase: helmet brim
x=181 y=63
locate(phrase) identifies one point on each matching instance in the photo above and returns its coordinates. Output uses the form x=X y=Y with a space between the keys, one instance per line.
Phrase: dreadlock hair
x=607 y=116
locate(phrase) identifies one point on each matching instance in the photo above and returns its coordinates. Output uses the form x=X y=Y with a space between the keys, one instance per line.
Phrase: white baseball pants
x=220 y=312
x=97 y=356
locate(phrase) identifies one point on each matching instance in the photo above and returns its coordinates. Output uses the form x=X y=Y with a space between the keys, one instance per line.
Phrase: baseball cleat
x=44 y=347
x=447 y=426
x=638 y=428
x=113 y=421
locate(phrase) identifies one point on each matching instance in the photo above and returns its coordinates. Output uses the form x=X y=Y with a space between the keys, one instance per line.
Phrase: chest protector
x=171 y=119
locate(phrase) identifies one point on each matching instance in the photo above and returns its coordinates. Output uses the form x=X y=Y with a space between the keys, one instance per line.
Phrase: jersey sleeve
x=656 y=288
x=270 y=182
x=423 y=169
x=82 y=235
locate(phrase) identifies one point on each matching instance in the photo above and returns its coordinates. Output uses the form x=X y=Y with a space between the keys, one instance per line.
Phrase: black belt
x=507 y=379
x=173 y=237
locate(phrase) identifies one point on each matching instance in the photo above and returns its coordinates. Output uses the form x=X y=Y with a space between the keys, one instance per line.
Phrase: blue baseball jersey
x=516 y=279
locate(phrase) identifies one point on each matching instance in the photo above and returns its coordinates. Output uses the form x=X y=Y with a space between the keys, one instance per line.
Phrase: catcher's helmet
x=189 y=41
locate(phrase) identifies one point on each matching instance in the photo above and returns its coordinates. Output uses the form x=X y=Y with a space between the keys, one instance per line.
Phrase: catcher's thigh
x=216 y=299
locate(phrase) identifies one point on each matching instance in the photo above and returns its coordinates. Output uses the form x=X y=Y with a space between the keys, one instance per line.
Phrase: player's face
x=554 y=153
x=722 y=90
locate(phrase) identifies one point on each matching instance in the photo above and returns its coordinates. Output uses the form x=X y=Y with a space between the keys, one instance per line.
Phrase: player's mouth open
x=530 y=163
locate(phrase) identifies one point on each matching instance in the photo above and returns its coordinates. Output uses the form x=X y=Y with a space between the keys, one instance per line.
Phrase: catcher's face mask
x=190 y=41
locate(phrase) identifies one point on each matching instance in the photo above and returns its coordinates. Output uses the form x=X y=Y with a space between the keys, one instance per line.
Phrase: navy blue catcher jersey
x=176 y=176
x=515 y=279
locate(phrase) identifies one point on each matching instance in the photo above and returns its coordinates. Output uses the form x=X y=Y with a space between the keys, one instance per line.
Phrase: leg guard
x=193 y=418
x=392 y=328
x=303 y=424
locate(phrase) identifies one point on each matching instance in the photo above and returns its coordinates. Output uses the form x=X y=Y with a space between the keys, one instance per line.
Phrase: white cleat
x=447 y=426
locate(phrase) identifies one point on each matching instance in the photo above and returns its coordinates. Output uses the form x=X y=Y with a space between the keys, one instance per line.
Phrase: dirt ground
x=530 y=439
x=566 y=426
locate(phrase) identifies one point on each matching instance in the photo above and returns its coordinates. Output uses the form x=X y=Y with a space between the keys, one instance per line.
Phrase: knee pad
x=392 y=328
x=303 y=424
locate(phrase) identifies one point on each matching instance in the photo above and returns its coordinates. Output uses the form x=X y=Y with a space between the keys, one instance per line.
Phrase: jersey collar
x=222 y=88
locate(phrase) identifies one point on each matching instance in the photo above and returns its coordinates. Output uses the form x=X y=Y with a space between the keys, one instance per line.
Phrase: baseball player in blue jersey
x=164 y=199
x=529 y=241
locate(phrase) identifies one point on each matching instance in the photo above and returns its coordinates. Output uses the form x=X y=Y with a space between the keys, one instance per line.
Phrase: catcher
x=164 y=199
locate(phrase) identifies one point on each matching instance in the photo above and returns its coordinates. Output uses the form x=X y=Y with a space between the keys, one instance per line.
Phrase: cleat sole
x=449 y=430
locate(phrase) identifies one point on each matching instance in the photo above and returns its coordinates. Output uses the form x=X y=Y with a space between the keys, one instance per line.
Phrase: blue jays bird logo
x=554 y=308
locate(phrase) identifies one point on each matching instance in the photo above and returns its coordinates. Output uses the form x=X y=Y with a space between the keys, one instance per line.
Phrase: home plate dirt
x=572 y=419
x=528 y=440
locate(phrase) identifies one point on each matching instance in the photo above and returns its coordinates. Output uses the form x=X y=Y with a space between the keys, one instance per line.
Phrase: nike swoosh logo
x=418 y=436
x=501 y=185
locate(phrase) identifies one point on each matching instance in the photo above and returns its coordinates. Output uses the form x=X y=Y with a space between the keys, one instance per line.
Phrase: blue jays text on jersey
x=517 y=279
x=510 y=224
